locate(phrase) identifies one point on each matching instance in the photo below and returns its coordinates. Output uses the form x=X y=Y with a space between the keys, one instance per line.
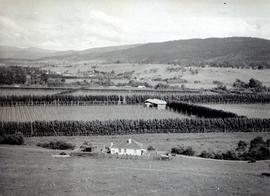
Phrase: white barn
x=158 y=103
x=129 y=147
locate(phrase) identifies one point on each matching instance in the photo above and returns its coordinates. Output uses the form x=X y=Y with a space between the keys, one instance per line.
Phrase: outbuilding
x=128 y=147
x=157 y=103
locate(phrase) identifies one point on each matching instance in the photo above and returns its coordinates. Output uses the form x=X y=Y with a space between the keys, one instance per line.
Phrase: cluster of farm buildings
x=128 y=147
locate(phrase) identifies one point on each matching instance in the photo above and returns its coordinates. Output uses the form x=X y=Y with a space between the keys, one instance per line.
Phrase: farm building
x=157 y=103
x=129 y=147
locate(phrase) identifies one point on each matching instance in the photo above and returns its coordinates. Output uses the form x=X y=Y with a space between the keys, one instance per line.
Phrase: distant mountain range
x=233 y=50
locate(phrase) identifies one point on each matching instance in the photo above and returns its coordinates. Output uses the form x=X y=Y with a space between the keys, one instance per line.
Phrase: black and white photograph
x=134 y=97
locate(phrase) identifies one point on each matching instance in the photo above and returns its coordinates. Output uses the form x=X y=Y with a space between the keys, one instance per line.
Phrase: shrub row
x=119 y=127
x=182 y=150
x=199 y=111
x=59 y=145
x=131 y=99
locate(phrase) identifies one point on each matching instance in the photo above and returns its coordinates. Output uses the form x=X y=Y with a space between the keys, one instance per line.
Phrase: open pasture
x=249 y=110
x=25 y=91
x=164 y=142
x=84 y=113
x=135 y=91
x=149 y=72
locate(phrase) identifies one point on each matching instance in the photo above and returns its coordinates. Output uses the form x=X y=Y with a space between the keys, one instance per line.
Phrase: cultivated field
x=249 y=110
x=25 y=166
x=84 y=113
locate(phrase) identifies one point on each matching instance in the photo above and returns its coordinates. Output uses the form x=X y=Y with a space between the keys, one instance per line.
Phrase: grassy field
x=9 y=92
x=100 y=112
x=249 y=110
x=134 y=91
x=164 y=142
x=30 y=170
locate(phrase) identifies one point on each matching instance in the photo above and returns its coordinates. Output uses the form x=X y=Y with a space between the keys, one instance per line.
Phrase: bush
x=230 y=155
x=189 y=151
x=86 y=147
x=150 y=148
x=2 y=139
x=184 y=151
x=259 y=149
x=178 y=150
x=259 y=153
x=218 y=155
x=268 y=142
x=59 y=145
x=205 y=154
x=257 y=142
x=242 y=146
x=15 y=139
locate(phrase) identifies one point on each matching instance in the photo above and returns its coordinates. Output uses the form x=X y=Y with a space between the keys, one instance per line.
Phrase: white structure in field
x=129 y=147
x=157 y=103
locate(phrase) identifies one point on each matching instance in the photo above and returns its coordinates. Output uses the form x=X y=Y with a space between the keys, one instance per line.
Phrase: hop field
x=84 y=113
x=249 y=110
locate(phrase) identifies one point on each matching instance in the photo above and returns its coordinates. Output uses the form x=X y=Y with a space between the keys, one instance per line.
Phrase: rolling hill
x=233 y=50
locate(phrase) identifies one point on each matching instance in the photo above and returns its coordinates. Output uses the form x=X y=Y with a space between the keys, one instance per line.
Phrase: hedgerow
x=123 y=126
x=199 y=111
x=130 y=99
x=58 y=145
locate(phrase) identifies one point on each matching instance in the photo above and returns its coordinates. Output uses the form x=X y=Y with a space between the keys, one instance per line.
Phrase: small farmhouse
x=129 y=147
x=157 y=103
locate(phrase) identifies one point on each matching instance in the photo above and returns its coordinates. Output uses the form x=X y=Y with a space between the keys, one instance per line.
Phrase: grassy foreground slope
x=31 y=171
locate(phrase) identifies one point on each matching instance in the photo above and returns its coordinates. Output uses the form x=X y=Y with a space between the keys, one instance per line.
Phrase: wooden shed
x=157 y=103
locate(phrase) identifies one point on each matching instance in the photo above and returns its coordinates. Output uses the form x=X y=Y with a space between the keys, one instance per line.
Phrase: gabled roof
x=126 y=145
x=156 y=101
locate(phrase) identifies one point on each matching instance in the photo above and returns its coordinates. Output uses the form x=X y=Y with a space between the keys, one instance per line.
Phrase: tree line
x=121 y=127
x=12 y=75
x=131 y=99
x=199 y=111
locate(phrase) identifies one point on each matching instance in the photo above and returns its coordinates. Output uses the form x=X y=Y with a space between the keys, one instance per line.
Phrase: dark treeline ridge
x=199 y=111
x=131 y=99
x=122 y=127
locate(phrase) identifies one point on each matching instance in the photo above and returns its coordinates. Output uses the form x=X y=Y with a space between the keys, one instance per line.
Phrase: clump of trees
x=183 y=150
x=28 y=75
x=12 y=75
x=258 y=149
x=13 y=139
x=58 y=145
x=253 y=84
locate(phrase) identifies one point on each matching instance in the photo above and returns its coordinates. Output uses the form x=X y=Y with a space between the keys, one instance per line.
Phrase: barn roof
x=156 y=101
x=129 y=144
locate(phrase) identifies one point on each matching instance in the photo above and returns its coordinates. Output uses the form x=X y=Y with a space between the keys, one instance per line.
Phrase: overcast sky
x=82 y=24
